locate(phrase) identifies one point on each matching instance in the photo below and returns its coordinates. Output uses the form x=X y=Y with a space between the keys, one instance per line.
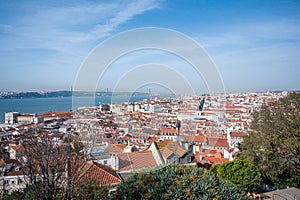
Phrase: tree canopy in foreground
x=274 y=142
x=242 y=173
x=177 y=182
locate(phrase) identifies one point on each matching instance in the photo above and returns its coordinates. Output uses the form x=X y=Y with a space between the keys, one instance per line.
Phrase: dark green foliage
x=177 y=182
x=214 y=169
x=13 y=196
x=243 y=174
x=89 y=191
x=274 y=142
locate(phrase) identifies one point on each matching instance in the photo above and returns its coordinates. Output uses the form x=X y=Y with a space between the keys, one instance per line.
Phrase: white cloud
x=60 y=28
x=57 y=38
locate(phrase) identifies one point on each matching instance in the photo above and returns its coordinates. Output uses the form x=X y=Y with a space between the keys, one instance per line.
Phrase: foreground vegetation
x=243 y=174
x=177 y=182
x=274 y=142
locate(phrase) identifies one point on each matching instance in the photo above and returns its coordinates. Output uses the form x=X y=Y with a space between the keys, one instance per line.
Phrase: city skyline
x=254 y=45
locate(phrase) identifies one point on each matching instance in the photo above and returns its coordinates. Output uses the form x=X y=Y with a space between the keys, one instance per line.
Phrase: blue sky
x=254 y=44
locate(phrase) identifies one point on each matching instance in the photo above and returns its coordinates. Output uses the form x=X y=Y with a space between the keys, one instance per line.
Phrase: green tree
x=243 y=174
x=91 y=191
x=274 y=142
x=177 y=182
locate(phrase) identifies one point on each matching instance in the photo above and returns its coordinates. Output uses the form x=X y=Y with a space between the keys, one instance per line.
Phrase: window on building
x=13 y=182
x=6 y=182
x=105 y=162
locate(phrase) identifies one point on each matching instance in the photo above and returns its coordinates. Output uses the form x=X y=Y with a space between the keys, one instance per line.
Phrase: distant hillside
x=20 y=95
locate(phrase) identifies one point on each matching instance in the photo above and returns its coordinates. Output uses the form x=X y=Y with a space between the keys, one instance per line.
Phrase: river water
x=40 y=105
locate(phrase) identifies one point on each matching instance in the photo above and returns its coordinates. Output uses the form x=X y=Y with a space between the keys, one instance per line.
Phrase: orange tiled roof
x=101 y=174
x=219 y=142
x=168 y=130
x=163 y=143
x=115 y=148
x=209 y=152
x=237 y=134
x=136 y=161
x=214 y=160
x=173 y=147
x=199 y=138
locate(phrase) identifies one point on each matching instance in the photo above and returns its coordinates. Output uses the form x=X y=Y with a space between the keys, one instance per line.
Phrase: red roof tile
x=218 y=142
x=136 y=161
x=168 y=130
x=172 y=147
x=115 y=148
x=101 y=174
x=214 y=160
x=199 y=138
x=238 y=134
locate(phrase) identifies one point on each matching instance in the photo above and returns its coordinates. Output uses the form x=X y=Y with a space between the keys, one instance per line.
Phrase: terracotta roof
x=219 y=142
x=211 y=152
x=218 y=155
x=136 y=161
x=165 y=152
x=238 y=134
x=163 y=143
x=172 y=147
x=115 y=148
x=199 y=138
x=101 y=174
x=214 y=160
x=168 y=130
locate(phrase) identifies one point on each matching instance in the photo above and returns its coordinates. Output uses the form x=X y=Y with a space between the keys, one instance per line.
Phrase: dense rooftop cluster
x=119 y=139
